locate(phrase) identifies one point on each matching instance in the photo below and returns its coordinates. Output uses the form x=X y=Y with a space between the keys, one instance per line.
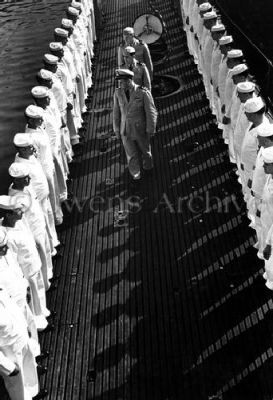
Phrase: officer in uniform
x=134 y=121
x=141 y=73
x=142 y=51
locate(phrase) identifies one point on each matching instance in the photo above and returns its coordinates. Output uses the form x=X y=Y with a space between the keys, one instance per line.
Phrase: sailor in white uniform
x=17 y=360
x=25 y=155
x=35 y=128
x=20 y=240
x=245 y=91
x=35 y=221
x=255 y=113
x=54 y=63
x=267 y=217
x=53 y=129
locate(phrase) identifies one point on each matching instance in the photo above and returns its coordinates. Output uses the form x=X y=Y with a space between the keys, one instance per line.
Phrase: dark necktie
x=127 y=93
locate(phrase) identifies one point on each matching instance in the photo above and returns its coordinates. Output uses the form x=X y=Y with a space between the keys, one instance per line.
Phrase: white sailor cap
x=239 y=69
x=73 y=11
x=56 y=46
x=267 y=154
x=234 y=53
x=210 y=15
x=61 y=32
x=205 y=7
x=225 y=40
x=265 y=130
x=3 y=236
x=45 y=74
x=33 y=111
x=245 y=87
x=254 y=105
x=67 y=23
x=76 y=5
x=22 y=140
x=50 y=59
x=40 y=92
x=130 y=50
x=22 y=201
x=6 y=202
x=124 y=74
x=218 y=28
x=128 y=31
x=18 y=170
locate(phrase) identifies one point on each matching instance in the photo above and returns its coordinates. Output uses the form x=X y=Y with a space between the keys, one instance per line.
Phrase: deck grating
x=170 y=305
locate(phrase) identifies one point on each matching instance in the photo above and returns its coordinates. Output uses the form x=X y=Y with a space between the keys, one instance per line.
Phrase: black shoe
x=52 y=287
x=42 y=356
x=41 y=370
x=53 y=313
x=49 y=328
x=59 y=254
x=55 y=278
x=41 y=395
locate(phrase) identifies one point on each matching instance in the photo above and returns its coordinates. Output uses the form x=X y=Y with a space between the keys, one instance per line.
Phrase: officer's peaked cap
x=124 y=74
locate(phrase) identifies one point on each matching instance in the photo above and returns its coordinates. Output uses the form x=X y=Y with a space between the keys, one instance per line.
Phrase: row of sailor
x=241 y=116
x=32 y=208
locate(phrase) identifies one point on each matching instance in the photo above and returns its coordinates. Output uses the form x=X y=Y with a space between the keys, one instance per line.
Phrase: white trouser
x=25 y=385
x=43 y=246
x=50 y=226
x=38 y=300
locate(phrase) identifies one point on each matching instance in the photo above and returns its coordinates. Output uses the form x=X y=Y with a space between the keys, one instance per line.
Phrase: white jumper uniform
x=40 y=186
x=16 y=352
x=266 y=233
x=215 y=63
x=44 y=155
x=21 y=242
x=64 y=75
x=52 y=128
x=34 y=219
x=13 y=281
x=248 y=156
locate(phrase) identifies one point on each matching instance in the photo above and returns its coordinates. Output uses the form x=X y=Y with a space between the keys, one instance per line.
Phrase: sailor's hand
x=267 y=252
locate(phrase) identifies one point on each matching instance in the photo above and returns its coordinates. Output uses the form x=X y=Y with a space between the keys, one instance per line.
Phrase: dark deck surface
x=170 y=305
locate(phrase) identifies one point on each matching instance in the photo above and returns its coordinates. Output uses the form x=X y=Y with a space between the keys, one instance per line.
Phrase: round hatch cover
x=148 y=27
